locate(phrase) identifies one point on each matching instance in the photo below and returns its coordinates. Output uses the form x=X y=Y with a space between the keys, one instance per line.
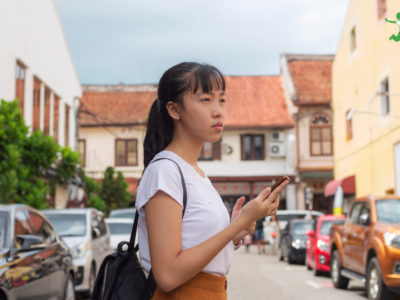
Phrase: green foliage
x=114 y=190
x=25 y=160
x=96 y=202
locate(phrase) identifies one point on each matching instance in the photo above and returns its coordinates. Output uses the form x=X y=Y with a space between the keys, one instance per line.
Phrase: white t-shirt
x=205 y=213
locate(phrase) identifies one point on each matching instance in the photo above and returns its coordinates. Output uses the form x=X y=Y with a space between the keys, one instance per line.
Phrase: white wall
x=31 y=32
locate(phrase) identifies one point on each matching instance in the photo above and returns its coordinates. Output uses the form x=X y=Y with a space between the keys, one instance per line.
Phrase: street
x=254 y=276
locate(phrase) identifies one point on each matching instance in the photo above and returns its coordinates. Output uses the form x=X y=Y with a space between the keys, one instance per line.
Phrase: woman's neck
x=188 y=151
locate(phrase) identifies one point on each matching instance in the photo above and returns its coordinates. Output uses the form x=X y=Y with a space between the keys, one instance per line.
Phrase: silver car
x=125 y=213
x=87 y=235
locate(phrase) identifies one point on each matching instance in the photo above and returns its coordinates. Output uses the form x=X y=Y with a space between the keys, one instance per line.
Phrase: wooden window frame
x=36 y=104
x=216 y=152
x=318 y=117
x=20 y=85
x=385 y=97
x=353 y=39
x=349 y=127
x=47 y=97
x=126 y=141
x=252 y=155
x=83 y=156
x=56 y=117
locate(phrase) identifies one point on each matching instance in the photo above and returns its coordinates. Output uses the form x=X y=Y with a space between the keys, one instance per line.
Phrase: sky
x=134 y=42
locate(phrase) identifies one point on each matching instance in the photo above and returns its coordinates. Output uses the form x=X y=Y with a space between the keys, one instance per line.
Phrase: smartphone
x=280 y=181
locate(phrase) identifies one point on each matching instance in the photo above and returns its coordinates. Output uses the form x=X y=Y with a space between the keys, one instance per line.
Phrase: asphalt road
x=254 y=276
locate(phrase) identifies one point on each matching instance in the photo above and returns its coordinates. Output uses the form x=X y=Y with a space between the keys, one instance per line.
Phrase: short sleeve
x=162 y=175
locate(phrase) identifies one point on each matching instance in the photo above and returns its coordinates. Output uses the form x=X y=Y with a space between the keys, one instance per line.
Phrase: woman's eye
x=222 y=100
x=205 y=99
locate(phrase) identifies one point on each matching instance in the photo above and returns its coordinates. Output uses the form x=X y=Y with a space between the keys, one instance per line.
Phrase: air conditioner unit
x=276 y=149
x=277 y=136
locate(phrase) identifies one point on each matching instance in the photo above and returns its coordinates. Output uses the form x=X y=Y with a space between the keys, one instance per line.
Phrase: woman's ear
x=173 y=110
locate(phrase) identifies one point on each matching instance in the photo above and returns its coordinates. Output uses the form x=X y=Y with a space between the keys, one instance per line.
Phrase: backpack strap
x=135 y=223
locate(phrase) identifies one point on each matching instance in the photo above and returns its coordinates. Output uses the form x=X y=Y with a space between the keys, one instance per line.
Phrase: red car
x=317 y=246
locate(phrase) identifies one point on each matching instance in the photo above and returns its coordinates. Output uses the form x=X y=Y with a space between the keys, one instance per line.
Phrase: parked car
x=367 y=247
x=317 y=246
x=284 y=216
x=292 y=244
x=126 y=213
x=120 y=230
x=35 y=263
x=86 y=233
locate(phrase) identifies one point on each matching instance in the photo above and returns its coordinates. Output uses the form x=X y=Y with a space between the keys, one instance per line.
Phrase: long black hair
x=173 y=84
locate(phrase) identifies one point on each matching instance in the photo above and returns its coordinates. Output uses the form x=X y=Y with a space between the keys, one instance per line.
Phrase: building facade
x=366 y=100
x=256 y=148
x=37 y=69
x=308 y=90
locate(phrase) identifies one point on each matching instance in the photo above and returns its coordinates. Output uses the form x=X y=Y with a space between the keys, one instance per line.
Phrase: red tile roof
x=116 y=105
x=256 y=101
x=312 y=78
x=253 y=101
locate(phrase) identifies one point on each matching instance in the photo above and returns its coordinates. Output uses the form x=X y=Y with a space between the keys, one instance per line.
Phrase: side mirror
x=364 y=219
x=95 y=233
x=29 y=242
x=311 y=233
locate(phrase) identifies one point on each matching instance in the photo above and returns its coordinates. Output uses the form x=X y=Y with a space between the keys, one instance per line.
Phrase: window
x=382 y=7
x=36 y=104
x=66 y=142
x=355 y=213
x=252 y=147
x=47 y=111
x=20 y=85
x=385 y=99
x=42 y=228
x=56 y=117
x=210 y=151
x=82 y=151
x=126 y=152
x=349 y=125
x=353 y=44
x=321 y=135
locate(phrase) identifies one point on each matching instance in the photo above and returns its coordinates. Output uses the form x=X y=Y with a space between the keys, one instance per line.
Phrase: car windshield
x=68 y=224
x=326 y=226
x=120 y=228
x=123 y=214
x=3 y=229
x=301 y=228
x=388 y=211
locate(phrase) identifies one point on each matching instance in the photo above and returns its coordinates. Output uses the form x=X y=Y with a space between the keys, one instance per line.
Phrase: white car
x=87 y=235
x=120 y=230
x=125 y=213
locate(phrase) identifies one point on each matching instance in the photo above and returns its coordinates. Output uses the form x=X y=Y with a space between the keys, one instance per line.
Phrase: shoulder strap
x=135 y=223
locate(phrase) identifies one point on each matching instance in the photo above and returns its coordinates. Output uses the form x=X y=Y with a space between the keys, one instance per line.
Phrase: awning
x=348 y=185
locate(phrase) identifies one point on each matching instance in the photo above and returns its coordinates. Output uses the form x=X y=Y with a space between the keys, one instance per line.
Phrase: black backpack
x=121 y=276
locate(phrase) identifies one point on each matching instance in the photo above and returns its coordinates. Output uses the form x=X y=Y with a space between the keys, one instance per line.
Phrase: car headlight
x=322 y=245
x=296 y=244
x=392 y=239
x=79 y=251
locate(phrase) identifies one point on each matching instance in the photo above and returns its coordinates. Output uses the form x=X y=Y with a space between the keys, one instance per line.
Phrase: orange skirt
x=201 y=287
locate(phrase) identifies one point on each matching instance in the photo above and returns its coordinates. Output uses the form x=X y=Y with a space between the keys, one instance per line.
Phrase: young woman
x=190 y=255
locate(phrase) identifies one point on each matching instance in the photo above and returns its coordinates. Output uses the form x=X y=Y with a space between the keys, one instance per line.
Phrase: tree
x=114 y=190
x=92 y=190
x=25 y=160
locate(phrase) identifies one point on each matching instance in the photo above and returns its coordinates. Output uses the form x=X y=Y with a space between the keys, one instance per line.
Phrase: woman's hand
x=265 y=204
x=235 y=214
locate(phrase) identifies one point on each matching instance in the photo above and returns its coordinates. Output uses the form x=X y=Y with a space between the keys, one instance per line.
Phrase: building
x=37 y=68
x=256 y=148
x=366 y=102
x=308 y=90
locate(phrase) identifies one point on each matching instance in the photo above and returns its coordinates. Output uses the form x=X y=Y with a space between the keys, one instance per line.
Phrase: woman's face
x=203 y=115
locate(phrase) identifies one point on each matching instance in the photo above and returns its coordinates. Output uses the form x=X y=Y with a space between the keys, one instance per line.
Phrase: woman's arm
x=173 y=267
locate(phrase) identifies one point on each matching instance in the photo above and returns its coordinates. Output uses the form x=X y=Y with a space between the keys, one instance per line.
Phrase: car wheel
x=315 y=271
x=338 y=280
x=376 y=289
x=69 y=291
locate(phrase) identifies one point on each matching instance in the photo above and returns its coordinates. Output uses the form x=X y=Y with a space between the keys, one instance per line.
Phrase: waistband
x=208 y=282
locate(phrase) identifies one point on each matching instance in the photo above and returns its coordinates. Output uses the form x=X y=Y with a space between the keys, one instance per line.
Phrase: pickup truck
x=367 y=247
